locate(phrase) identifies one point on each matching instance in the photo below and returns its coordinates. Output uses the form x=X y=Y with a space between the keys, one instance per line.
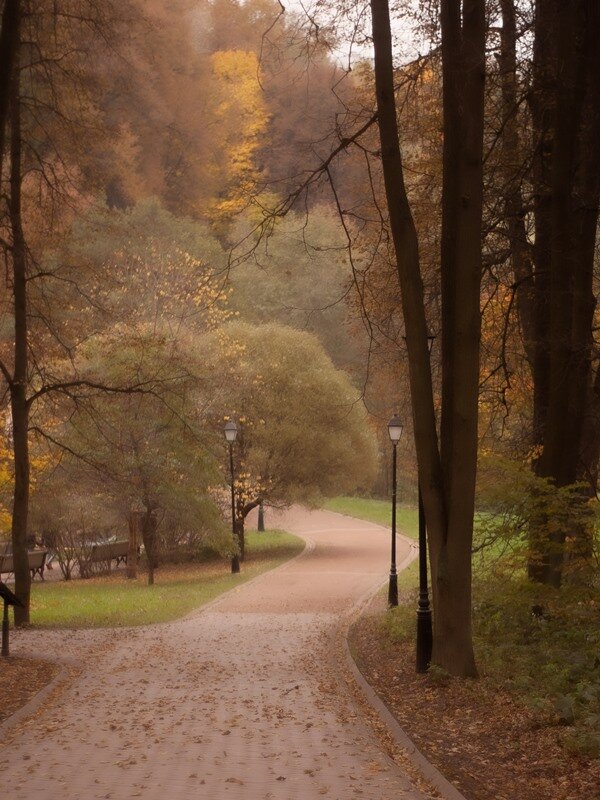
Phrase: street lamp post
x=424 y=621
x=395 y=431
x=231 y=432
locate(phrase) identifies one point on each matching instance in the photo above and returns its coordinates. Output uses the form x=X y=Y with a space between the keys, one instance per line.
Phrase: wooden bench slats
x=100 y=552
x=36 y=558
x=110 y=551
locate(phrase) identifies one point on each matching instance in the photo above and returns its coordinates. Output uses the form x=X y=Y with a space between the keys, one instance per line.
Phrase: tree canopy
x=215 y=209
x=303 y=432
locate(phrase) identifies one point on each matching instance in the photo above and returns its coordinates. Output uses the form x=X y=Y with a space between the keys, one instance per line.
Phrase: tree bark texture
x=149 y=536
x=240 y=524
x=9 y=49
x=132 y=552
x=463 y=69
x=567 y=129
x=18 y=384
x=446 y=473
x=542 y=102
x=513 y=160
x=240 y=532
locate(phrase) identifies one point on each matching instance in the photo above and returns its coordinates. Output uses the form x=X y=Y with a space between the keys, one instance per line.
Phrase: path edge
x=428 y=770
x=309 y=546
x=65 y=665
x=32 y=705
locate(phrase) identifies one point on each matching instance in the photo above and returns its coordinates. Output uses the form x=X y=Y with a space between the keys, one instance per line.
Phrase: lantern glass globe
x=395 y=428
x=230 y=430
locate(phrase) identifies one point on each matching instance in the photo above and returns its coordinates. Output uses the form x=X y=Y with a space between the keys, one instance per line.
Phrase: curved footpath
x=240 y=700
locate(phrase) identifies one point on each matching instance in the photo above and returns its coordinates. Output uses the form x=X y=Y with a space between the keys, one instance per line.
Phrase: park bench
x=37 y=562
x=104 y=553
x=110 y=551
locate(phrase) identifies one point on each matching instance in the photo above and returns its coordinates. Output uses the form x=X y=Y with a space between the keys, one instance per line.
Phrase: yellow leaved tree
x=6 y=482
x=40 y=462
x=239 y=117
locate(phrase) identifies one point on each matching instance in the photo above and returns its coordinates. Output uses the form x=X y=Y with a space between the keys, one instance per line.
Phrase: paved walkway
x=242 y=700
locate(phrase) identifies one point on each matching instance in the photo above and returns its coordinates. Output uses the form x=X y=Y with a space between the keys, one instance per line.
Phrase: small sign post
x=9 y=599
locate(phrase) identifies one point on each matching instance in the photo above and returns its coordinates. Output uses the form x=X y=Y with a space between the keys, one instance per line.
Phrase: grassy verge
x=378 y=511
x=113 y=601
x=538 y=693
x=407 y=517
x=551 y=661
x=548 y=663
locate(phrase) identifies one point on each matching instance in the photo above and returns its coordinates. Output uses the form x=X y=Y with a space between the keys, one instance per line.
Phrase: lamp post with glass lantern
x=395 y=431
x=231 y=432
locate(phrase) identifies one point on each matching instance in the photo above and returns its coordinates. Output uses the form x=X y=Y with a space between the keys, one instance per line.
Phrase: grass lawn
x=407 y=518
x=113 y=600
x=378 y=511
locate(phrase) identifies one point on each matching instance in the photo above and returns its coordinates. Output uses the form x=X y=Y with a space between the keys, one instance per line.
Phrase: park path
x=241 y=700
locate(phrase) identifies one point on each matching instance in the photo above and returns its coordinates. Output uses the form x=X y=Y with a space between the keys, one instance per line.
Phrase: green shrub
x=551 y=658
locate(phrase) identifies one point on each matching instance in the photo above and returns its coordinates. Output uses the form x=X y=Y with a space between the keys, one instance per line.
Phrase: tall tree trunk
x=542 y=101
x=575 y=187
x=240 y=524
x=9 y=49
x=513 y=171
x=583 y=535
x=463 y=68
x=240 y=532
x=585 y=212
x=18 y=386
x=565 y=180
x=447 y=478
x=542 y=108
x=149 y=536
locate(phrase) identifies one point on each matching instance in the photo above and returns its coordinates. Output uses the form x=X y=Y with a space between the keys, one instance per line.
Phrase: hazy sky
x=353 y=27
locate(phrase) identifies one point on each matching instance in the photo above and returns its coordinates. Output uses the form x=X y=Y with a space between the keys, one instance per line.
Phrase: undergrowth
x=550 y=659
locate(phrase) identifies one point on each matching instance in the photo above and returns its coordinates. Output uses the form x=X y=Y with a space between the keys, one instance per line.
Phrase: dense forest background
x=307 y=220
x=217 y=210
x=147 y=151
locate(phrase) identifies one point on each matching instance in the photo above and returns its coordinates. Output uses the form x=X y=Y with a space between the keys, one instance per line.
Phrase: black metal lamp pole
x=424 y=620
x=395 y=432
x=231 y=435
x=393 y=587
x=424 y=623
